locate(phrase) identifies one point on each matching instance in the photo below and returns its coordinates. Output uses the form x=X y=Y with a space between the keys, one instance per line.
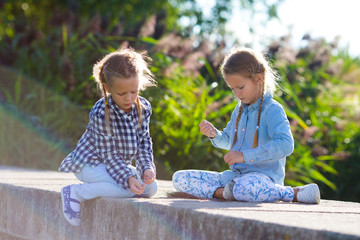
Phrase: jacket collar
x=256 y=105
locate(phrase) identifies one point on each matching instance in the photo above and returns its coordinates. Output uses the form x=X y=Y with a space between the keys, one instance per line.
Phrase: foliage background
x=47 y=49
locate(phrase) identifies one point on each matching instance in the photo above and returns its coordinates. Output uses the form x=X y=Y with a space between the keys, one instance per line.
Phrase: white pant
x=98 y=183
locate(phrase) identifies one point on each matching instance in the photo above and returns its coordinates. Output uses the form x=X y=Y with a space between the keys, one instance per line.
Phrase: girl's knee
x=78 y=175
x=177 y=175
x=243 y=193
x=151 y=189
x=251 y=192
x=179 y=180
x=248 y=189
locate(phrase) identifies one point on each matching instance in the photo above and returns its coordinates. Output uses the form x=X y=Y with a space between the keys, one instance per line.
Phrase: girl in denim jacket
x=258 y=136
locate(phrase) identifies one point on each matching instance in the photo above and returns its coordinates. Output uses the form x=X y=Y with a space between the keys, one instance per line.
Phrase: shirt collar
x=256 y=105
x=118 y=110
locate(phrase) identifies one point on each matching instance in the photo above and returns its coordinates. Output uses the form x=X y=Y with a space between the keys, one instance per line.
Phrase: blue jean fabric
x=98 y=183
x=249 y=187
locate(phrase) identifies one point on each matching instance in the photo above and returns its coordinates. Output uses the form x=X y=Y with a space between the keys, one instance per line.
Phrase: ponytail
x=255 y=141
x=107 y=110
x=138 y=107
x=236 y=125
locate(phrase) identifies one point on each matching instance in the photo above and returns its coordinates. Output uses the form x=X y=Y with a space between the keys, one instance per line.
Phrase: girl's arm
x=224 y=138
x=144 y=158
x=282 y=143
x=106 y=148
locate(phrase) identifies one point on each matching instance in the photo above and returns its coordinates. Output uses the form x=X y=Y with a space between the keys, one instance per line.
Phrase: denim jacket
x=275 y=140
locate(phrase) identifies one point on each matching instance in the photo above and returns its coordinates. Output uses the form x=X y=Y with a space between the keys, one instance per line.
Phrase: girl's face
x=244 y=88
x=124 y=91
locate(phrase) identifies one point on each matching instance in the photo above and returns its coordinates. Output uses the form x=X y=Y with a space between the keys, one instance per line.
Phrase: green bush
x=47 y=91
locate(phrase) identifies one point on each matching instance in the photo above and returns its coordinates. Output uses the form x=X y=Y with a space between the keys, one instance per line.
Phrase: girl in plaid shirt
x=117 y=133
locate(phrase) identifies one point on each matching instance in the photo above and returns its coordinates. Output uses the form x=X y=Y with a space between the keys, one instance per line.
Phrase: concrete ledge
x=30 y=208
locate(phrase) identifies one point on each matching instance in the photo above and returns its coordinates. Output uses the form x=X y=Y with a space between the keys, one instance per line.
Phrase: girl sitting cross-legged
x=257 y=136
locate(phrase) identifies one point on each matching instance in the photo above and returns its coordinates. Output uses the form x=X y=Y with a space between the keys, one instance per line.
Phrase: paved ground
x=340 y=220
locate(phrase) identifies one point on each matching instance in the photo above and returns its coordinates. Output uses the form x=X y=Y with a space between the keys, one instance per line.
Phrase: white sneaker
x=309 y=193
x=228 y=191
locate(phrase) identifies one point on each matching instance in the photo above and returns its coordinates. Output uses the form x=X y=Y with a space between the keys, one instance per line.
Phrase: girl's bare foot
x=219 y=193
x=295 y=194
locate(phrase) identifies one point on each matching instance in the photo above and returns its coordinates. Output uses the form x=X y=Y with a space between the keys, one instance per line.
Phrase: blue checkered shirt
x=117 y=148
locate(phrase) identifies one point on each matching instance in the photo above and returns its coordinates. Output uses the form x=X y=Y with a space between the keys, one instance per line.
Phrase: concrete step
x=30 y=208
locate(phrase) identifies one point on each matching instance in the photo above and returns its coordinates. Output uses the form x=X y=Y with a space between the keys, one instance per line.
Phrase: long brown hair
x=124 y=63
x=248 y=63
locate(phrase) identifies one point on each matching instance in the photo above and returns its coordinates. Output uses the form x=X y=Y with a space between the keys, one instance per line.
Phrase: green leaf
x=149 y=40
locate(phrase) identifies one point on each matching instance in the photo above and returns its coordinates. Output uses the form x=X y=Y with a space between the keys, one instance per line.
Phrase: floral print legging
x=249 y=187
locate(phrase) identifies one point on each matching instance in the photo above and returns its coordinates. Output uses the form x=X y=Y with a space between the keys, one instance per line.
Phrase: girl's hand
x=234 y=157
x=207 y=129
x=149 y=176
x=135 y=186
